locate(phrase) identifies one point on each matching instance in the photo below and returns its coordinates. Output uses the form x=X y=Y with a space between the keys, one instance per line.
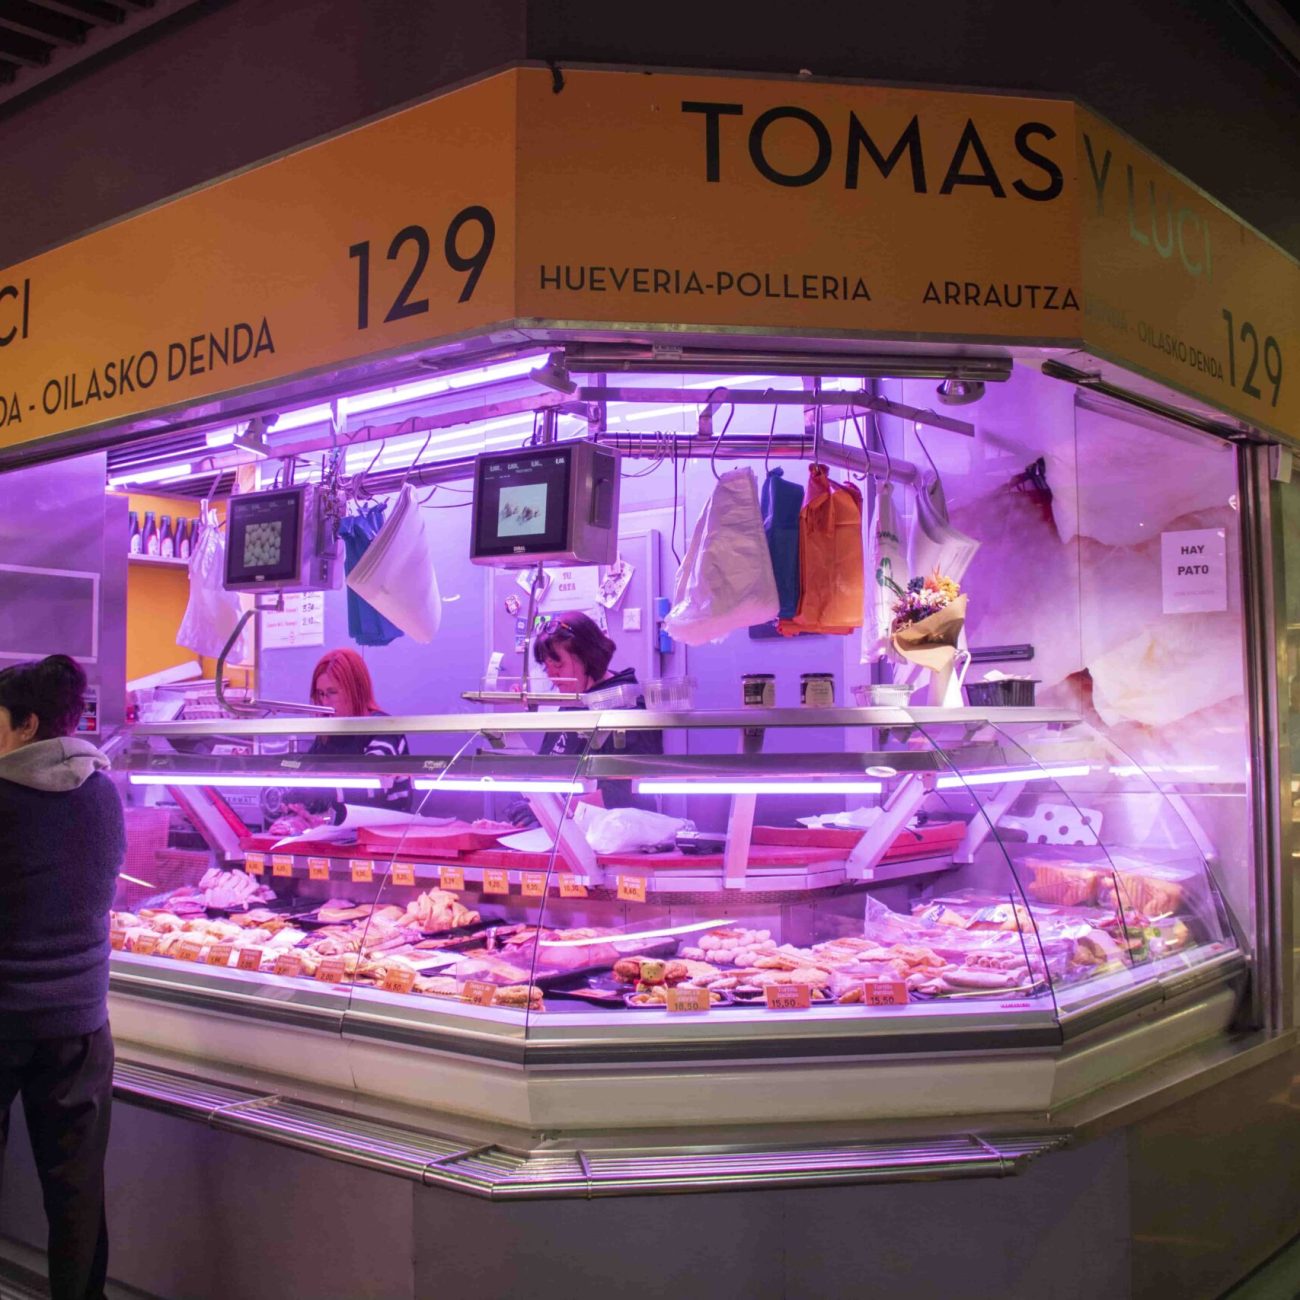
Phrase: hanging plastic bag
x=782 y=504
x=936 y=544
x=725 y=581
x=396 y=574
x=886 y=576
x=831 y=581
x=212 y=611
x=366 y=625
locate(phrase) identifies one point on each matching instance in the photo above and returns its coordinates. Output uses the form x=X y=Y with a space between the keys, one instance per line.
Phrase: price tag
x=250 y=959
x=282 y=865
x=146 y=944
x=399 y=980
x=331 y=970
x=188 y=950
x=572 y=887
x=451 y=878
x=884 y=993
x=788 y=997
x=532 y=884
x=219 y=954
x=255 y=865
x=479 y=992
x=496 y=882
x=403 y=873
x=117 y=940
x=318 y=868
x=363 y=872
x=631 y=889
x=680 y=999
x=288 y=963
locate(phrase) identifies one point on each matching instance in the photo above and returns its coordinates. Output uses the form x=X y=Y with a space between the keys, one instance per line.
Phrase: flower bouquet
x=928 y=619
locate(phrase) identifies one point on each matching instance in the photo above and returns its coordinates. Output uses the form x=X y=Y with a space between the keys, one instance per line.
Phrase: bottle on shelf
x=133 y=533
x=166 y=538
x=149 y=535
x=184 y=538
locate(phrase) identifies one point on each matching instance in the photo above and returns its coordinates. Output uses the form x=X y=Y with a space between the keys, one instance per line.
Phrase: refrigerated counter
x=882 y=913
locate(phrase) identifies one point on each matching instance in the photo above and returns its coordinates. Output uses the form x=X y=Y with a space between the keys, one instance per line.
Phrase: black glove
x=520 y=813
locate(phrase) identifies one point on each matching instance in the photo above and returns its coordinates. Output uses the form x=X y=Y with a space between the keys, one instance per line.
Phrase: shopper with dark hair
x=61 y=845
x=576 y=656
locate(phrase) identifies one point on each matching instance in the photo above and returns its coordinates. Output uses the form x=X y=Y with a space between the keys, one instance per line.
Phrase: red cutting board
x=926 y=841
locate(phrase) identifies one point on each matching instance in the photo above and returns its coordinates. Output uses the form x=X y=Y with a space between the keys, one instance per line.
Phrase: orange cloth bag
x=832 y=593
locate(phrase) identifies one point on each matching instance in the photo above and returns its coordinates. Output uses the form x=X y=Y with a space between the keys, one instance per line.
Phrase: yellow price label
x=281 y=865
x=631 y=889
x=288 y=963
x=363 y=872
x=479 y=992
x=680 y=999
x=884 y=993
x=255 y=865
x=403 y=873
x=318 y=869
x=399 y=980
x=188 y=950
x=788 y=997
x=572 y=887
x=532 y=884
x=219 y=954
x=249 y=959
x=331 y=970
x=146 y=944
x=451 y=878
x=496 y=882
x=117 y=939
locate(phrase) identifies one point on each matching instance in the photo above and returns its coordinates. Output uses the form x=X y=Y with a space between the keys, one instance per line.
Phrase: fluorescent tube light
x=655 y=785
x=1010 y=774
x=284 y=782
x=159 y=474
x=506 y=785
x=640 y=934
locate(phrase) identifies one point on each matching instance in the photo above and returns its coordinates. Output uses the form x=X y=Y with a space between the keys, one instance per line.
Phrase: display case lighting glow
x=655 y=785
x=505 y=785
x=282 y=780
x=378 y=399
x=616 y=939
x=1010 y=774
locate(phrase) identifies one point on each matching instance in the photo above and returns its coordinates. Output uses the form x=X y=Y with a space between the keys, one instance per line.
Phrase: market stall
x=942 y=804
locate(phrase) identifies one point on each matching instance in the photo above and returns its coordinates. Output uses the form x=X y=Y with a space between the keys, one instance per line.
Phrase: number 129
x=1272 y=358
x=471 y=262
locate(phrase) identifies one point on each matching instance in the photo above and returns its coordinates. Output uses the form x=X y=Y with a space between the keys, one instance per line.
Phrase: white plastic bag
x=725 y=581
x=624 y=830
x=886 y=565
x=396 y=574
x=212 y=612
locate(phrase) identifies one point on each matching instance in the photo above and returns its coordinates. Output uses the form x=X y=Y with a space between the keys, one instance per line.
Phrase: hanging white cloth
x=212 y=611
x=725 y=581
x=396 y=574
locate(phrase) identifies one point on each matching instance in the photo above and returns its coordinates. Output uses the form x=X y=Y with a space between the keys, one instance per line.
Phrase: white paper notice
x=576 y=587
x=300 y=622
x=1194 y=571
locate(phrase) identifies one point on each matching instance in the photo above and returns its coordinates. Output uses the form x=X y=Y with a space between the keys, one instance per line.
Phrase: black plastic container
x=1012 y=693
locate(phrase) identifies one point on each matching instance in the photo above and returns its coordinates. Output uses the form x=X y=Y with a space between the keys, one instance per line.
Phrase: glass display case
x=780 y=883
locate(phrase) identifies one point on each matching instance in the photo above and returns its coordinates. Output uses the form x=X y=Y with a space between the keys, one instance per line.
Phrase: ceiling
x=41 y=39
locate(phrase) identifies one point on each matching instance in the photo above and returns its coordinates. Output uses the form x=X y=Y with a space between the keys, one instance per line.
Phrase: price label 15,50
x=788 y=997
x=884 y=993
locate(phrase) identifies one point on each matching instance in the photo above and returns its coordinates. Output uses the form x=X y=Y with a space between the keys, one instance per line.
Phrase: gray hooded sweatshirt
x=62 y=842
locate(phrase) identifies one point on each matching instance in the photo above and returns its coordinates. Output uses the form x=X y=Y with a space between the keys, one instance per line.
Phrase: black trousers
x=67 y=1089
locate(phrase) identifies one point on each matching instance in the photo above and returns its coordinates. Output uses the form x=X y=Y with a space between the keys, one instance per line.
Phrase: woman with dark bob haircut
x=61 y=847
x=576 y=655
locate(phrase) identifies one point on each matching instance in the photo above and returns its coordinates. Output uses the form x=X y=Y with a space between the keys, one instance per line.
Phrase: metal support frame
x=981 y=827
x=906 y=798
x=570 y=843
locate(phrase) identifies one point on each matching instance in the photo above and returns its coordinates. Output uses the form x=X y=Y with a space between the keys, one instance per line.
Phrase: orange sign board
x=796 y=206
x=1177 y=287
x=387 y=237
x=629 y=201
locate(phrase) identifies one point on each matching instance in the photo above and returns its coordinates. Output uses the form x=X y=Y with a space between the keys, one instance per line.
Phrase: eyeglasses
x=552 y=626
x=332 y=694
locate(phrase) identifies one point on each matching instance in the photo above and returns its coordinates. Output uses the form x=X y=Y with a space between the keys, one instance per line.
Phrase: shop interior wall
x=230 y=82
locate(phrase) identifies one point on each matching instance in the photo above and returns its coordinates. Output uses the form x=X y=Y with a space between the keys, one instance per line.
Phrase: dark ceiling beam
x=43 y=23
x=98 y=11
x=26 y=51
